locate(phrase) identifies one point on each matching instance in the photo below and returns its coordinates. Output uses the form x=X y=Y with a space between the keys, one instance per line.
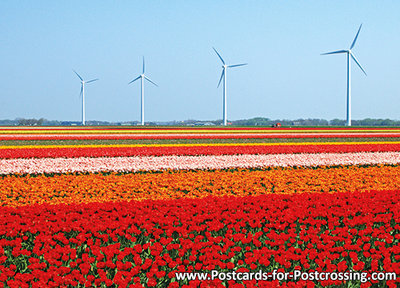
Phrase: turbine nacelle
x=349 y=52
x=143 y=76
x=83 y=81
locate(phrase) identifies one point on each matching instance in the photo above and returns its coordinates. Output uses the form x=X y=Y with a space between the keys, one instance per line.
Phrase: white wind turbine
x=223 y=75
x=142 y=77
x=82 y=94
x=349 y=54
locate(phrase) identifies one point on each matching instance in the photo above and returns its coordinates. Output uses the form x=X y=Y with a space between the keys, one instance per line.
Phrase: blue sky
x=42 y=41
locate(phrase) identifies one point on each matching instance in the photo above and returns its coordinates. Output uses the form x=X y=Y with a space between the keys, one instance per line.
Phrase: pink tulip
x=138 y=163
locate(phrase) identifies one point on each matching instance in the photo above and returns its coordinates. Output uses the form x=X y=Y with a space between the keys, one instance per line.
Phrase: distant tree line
x=30 y=122
x=258 y=121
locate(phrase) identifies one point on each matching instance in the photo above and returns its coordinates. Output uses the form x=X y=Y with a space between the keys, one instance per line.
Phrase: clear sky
x=286 y=77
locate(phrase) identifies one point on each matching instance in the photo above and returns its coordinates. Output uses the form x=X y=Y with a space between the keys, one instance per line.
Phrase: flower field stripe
x=191 y=131
x=153 y=163
x=197 y=145
x=21 y=190
x=155 y=128
x=165 y=150
x=192 y=136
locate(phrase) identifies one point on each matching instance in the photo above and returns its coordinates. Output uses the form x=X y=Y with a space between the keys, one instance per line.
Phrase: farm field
x=131 y=207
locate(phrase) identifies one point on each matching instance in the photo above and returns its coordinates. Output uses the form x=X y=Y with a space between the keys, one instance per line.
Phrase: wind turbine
x=82 y=94
x=223 y=75
x=349 y=54
x=142 y=77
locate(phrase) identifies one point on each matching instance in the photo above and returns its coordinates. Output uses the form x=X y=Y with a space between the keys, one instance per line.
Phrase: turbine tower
x=223 y=75
x=142 y=77
x=349 y=54
x=82 y=94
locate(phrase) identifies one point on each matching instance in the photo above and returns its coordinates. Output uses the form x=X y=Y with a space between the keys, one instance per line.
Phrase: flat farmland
x=132 y=207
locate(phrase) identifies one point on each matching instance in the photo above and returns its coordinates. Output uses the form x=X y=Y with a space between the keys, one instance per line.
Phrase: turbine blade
x=359 y=65
x=80 y=94
x=335 y=52
x=78 y=75
x=222 y=75
x=237 y=65
x=134 y=80
x=145 y=77
x=92 y=80
x=143 y=64
x=223 y=62
x=355 y=39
